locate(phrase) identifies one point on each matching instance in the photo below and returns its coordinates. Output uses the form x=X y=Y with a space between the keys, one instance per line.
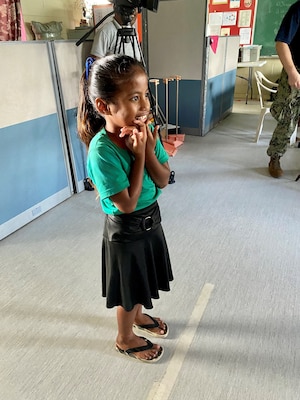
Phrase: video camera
x=126 y=8
x=151 y=5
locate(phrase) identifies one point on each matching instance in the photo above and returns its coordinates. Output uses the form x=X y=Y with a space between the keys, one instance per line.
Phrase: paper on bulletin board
x=244 y=18
x=234 y=4
x=245 y=35
x=225 y=32
x=229 y=18
x=215 y=18
x=213 y=30
x=219 y=1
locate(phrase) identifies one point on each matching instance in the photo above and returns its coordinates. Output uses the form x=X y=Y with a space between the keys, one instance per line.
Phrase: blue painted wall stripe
x=32 y=165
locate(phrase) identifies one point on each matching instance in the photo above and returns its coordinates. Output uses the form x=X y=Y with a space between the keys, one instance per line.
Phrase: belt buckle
x=147 y=223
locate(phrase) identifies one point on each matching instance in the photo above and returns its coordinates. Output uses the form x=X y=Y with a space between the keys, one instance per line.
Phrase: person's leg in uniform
x=285 y=109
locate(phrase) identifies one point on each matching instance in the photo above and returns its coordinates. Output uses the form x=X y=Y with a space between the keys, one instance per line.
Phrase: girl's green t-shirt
x=109 y=166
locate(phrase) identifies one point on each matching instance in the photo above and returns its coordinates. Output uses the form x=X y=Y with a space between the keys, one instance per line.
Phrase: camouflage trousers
x=286 y=110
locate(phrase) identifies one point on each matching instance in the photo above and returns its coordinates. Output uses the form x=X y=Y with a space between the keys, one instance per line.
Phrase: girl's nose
x=145 y=103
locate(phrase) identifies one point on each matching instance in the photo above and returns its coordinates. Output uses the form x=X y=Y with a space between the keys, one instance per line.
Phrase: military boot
x=274 y=167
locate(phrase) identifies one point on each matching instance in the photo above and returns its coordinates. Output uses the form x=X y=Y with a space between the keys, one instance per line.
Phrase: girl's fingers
x=155 y=132
x=128 y=130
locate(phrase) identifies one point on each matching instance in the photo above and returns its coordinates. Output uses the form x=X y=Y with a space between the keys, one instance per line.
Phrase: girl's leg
x=126 y=338
x=143 y=319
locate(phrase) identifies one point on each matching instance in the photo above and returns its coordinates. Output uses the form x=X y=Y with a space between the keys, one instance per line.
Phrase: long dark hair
x=104 y=81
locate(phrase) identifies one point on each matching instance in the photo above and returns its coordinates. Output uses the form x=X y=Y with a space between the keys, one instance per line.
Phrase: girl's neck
x=114 y=137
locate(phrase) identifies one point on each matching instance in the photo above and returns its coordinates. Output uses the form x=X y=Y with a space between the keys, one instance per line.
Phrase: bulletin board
x=232 y=18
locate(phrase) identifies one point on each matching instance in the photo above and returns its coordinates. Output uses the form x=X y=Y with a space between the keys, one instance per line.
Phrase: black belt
x=128 y=227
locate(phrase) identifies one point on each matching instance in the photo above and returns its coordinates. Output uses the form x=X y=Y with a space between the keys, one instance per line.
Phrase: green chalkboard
x=269 y=14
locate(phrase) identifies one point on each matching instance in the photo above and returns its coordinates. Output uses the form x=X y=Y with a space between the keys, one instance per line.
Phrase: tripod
x=127 y=34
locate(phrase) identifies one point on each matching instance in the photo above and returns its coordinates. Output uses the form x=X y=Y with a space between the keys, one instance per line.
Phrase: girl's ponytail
x=89 y=122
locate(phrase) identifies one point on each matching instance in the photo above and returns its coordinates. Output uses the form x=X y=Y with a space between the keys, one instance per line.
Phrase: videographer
x=106 y=40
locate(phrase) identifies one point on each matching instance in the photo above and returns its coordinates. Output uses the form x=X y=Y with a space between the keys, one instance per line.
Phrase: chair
x=271 y=87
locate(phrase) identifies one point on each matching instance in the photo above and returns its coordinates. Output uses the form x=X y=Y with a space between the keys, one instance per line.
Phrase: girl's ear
x=102 y=106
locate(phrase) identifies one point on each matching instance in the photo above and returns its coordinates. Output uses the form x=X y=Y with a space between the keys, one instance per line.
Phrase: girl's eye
x=135 y=98
x=148 y=95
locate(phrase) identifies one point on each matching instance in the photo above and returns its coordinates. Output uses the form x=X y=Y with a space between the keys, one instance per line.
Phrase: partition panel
x=33 y=167
x=69 y=62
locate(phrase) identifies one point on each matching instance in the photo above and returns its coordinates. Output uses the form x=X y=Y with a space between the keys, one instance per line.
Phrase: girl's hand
x=136 y=138
x=151 y=139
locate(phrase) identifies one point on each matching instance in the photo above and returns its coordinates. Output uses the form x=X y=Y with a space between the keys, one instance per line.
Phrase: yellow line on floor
x=162 y=390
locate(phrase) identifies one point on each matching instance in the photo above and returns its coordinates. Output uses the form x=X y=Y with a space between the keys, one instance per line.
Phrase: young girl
x=128 y=166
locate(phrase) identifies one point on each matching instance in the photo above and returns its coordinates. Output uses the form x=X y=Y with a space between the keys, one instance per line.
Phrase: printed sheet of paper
x=245 y=35
x=213 y=30
x=234 y=4
x=229 y=18
x=225 y=32
x=244 y=18
x=219 y=2
x=215 y=18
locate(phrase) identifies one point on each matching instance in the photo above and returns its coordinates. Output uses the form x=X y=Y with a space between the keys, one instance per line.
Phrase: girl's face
x=131 y=103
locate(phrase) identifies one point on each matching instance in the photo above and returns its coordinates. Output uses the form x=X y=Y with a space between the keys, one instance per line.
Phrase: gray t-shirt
x=106 y=42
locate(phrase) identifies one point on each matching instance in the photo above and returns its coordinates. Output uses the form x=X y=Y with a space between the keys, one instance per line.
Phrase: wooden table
x=250 y=65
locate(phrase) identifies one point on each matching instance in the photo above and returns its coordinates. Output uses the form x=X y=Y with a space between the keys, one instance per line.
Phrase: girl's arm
x=160 y=173
x=126 y=200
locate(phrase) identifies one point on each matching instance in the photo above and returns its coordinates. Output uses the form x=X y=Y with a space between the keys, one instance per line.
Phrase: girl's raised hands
x=135 y=137
x=144 y=133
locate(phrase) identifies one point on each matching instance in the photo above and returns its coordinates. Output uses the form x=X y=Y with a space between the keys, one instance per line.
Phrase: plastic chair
x=271 y=87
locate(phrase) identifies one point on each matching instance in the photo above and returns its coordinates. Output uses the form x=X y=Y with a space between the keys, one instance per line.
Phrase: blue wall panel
x=214 y=101
x=31 y=155
x=219 y=98
x=188 y=99
x=228 y=90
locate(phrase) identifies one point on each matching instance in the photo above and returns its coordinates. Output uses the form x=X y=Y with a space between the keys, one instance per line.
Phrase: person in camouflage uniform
x=286 y=106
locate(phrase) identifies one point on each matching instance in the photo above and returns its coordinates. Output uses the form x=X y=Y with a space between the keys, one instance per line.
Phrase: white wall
x=25 y=102
x=176 y=38
x=64 y=11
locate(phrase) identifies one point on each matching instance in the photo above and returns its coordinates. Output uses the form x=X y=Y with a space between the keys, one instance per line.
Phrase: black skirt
x=135 y=259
